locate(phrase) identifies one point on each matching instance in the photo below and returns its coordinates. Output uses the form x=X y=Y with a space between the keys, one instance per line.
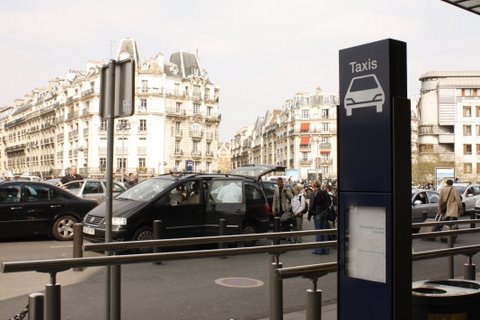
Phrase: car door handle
x=55 y=206
x=15 y=208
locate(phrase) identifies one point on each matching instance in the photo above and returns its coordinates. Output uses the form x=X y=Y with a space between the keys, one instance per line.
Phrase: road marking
x=236 y=282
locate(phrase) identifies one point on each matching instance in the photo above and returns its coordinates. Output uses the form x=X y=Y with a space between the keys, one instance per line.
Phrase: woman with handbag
x=319 y=204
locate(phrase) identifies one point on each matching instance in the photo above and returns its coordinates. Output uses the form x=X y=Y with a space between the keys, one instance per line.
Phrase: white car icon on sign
x=364 y=91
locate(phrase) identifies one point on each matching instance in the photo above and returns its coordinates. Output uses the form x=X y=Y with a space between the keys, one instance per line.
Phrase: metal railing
x=277 y=272
x=52 y=305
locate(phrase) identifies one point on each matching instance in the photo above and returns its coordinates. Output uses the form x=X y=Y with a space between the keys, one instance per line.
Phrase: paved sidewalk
x=329 y=312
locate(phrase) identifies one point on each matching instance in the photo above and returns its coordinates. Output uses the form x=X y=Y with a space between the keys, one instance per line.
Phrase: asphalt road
x=184 y=289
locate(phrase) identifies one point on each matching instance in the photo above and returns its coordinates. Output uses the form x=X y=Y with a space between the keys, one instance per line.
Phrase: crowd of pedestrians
x=291 y=201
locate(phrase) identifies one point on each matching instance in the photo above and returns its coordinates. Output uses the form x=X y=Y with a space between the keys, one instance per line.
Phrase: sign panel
x=442 y=175
x=123 y=90
x=189 y=166
x=374 y=170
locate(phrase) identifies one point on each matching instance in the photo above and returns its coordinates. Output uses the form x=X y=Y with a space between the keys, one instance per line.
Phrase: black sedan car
x=30 y=208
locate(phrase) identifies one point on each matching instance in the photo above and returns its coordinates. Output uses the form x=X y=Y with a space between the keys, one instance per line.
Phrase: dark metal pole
x=314 y=303
x=109 y=171
x=53 y=308
x=222 y=225
x=36 y=306
x=469 y=272
x=276 y=290
x=451 y=268
x=157 y=234
x=77 y=243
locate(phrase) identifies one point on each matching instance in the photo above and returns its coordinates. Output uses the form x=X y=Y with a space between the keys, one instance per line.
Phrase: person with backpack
x=319 y=203
x=298 y=209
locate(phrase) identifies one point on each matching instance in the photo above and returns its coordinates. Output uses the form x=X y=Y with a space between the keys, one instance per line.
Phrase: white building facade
x=176 y=120
x=301 y=136
x=449 y=124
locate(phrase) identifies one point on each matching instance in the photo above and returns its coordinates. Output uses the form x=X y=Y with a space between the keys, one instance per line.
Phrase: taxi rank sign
x=374 y=181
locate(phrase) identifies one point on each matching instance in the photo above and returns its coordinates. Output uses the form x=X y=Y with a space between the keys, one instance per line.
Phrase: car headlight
x=119 y=221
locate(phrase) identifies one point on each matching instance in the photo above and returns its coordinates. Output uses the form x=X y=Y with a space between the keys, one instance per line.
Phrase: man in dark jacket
x=71 y=176
x=319 y=203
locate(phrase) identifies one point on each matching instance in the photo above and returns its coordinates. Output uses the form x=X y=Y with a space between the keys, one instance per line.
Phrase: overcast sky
x=260 y=53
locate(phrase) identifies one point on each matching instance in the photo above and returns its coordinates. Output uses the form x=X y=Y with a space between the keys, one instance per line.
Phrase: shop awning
x=305 y=127
x=304 y=140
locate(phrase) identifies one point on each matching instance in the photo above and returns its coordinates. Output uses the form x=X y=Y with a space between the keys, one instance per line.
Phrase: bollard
x=53 y=308
x=157 y=234
x=472 y=217
x=276 y=228
x=78 y=243
x=314 y=304
x=469 y=272
x=276 y=292
x=222 y=226
x=451 y=267
x=35 y=302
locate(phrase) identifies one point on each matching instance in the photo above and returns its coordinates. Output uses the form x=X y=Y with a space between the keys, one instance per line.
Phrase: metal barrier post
x=314 y=302
x=472 y=217
x=53 y=308
x=469 y=272
x=77 y=243
x=276 y=291
x=451 y=242
x=35 y=309
x=157 y=234
x=222 y=225
x=276 y=228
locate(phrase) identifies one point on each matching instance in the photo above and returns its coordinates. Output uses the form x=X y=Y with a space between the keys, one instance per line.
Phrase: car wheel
x=62 y=228
x=248 y=229
x=143 y=233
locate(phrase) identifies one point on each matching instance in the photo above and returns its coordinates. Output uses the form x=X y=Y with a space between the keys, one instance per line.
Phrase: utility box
x=446 y=300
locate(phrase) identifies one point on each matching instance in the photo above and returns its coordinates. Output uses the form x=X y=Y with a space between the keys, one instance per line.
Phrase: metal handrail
x=447 y=252
x=307 y=271
x=56 y=265
x=201 y=240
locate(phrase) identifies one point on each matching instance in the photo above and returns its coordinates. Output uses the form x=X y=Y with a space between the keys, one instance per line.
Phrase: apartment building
x=449 y=124
x=301 y=135
x=176 y=120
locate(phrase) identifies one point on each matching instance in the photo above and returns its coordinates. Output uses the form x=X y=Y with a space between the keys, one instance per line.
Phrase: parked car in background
x=30 y=208
x=469 y=193
x=26 y=178
x=424 y=204
x=188 y=205
x=93 y=188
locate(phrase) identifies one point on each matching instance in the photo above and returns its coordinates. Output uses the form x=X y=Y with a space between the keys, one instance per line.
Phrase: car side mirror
x=417 y=202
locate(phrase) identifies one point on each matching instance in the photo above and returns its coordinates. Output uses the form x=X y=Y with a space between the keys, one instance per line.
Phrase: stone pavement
x=329 y=312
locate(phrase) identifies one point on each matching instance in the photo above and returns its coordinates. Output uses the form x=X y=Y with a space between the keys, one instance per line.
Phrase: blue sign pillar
x=374 y=184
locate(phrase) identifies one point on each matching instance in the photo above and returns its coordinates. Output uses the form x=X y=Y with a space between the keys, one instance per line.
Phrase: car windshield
x=146 y=190
x=460 y=189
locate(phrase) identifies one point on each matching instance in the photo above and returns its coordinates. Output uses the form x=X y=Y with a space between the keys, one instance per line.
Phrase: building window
x=144 y=85
x=177 y=146
x=178 y=107
x=121 y=164
x=325 y=127
x=467 y=130
x=469 y=92
x=305 y=156
x=467 y=149
x=103 y=125
x=177 y=128
x=467 y=168
x=103 y=164
x=207 y=150
x=142 y=126
x=209 y=111
x=324 y=113
x=196 y=108
x=195 y=147
x=478 y=149
x=426 y=148
x=426 y=129
x=467 y=111
x=142 y=162
x=143 y=104
x=306 y=114
x=477 y=111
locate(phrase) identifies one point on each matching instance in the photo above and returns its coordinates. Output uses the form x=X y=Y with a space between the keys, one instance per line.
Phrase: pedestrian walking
x=450 y=197
x=319 y=203
x=298 y=208
x=281 y=204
